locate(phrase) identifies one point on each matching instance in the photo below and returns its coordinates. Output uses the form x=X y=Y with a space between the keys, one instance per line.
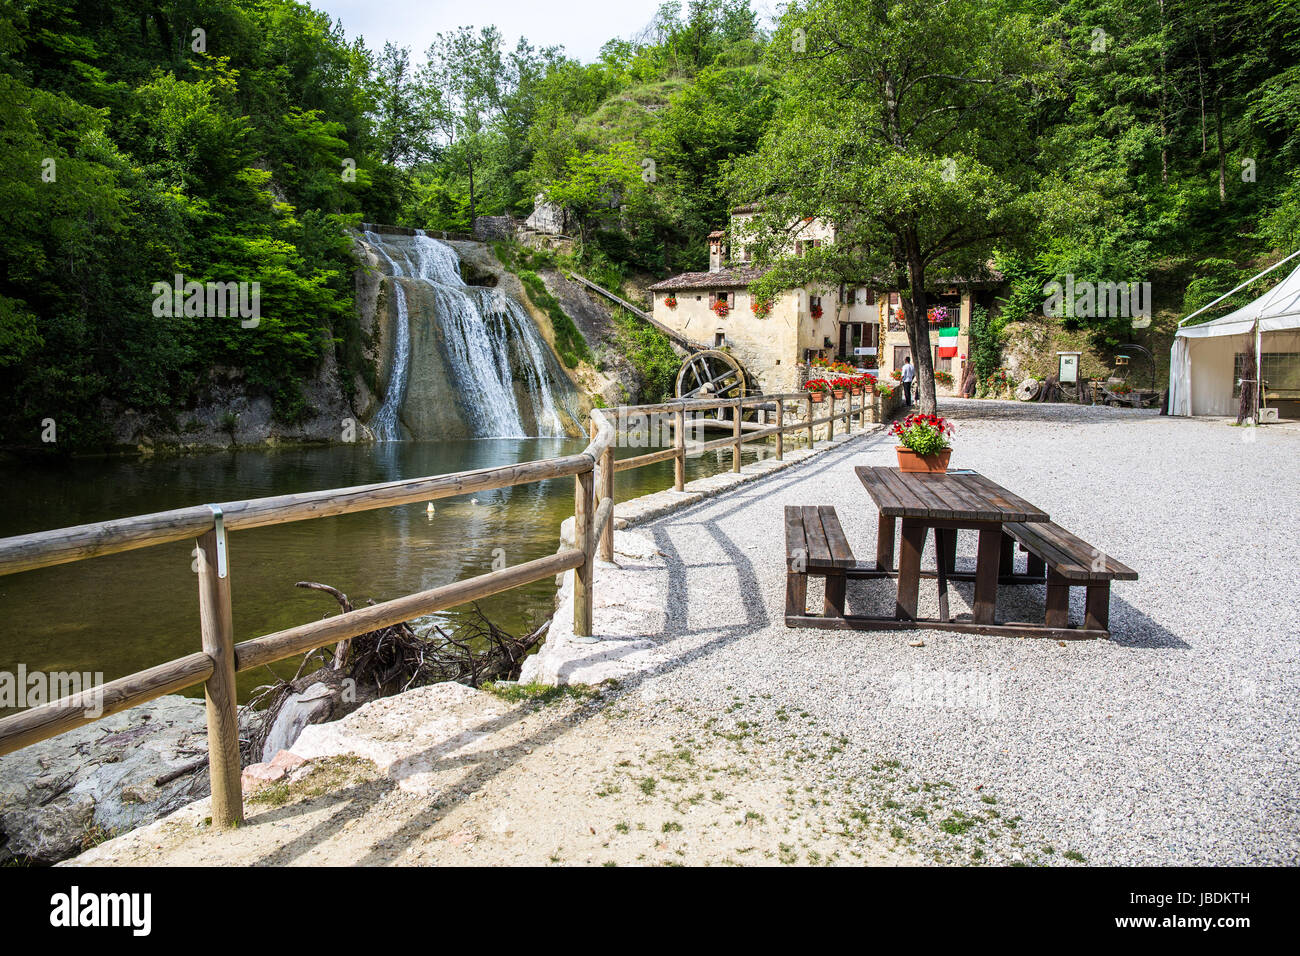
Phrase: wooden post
x=1097 y=608
x=912 y=540
x=606 y=490
x=735 y=436
x=830 y=419
x=679 y=442
x=885 y=528
x=988 y=555
x=218 y=634
x=780 y=423
x=1058 y=600
x=1007 y=557
x=810 y=424
x=584 y=511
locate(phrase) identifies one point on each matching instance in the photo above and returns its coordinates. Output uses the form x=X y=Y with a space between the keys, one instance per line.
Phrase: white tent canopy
x=1202 y=365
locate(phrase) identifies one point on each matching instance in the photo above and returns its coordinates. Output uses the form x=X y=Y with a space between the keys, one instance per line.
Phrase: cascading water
x=385 y=421
x=503 y=376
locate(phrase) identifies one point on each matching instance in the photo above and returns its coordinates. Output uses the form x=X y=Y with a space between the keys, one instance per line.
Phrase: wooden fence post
x=830 y=421
x=679 y=442
x=735 y=436
x=780 y=435
x=218 y=633
x=584 y=483
x=810 y=421
x=606 y=490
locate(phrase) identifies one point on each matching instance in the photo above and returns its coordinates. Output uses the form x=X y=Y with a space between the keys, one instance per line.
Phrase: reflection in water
x=129 y=611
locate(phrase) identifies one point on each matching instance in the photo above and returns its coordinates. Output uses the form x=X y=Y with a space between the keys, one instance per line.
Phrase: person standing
x=909 y=376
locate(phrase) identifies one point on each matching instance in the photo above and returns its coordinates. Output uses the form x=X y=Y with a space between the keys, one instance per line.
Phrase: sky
x=580 y=26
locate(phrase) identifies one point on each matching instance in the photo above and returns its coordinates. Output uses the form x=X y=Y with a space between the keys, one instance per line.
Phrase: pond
x=126 y=612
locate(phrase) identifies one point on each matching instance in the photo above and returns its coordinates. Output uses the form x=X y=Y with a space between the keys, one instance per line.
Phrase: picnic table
x=945 y=503
x=911 y=505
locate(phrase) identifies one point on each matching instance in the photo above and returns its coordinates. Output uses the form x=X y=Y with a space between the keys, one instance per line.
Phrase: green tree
x=906 y=127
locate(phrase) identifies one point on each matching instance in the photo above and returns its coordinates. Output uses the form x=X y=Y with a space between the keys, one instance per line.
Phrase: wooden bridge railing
x=221 y=658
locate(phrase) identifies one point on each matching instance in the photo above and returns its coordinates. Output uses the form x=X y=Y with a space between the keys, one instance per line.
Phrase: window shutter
x=713 y=299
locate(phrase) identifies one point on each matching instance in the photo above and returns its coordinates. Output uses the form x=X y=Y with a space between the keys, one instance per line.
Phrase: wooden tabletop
x=959 y=495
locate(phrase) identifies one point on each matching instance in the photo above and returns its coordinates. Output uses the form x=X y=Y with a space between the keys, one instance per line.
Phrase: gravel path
x=1173 y=743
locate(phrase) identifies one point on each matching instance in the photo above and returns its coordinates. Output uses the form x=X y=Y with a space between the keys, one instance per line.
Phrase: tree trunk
x=918 y=326
x=1164 y=103
x=1218 y=121
x=469 y=162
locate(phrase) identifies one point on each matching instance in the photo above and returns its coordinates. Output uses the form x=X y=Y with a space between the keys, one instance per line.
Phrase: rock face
x=619 y=383
x=547 y=217
x=60 y=795
x=409 y=735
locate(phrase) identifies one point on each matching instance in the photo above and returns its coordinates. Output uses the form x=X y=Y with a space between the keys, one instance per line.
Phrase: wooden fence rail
x=220 y=659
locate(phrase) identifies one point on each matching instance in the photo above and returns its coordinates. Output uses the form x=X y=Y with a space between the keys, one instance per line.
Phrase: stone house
x=715 y=308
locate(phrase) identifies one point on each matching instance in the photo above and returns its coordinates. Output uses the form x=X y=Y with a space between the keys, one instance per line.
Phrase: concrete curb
x=622 y=603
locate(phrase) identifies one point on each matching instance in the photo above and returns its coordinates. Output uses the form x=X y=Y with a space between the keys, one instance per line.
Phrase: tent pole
x=1239 y=288
x=1259 y=369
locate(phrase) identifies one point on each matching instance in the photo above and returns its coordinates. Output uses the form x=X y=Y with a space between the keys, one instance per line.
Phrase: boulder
x=314 y=705
x=547 y=217
x=100 y=778
x=51 y=832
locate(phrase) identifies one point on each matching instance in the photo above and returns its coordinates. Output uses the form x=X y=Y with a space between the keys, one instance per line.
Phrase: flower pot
x=909 y=460
x=856 y=391
x=818 y=397
x=839 y=393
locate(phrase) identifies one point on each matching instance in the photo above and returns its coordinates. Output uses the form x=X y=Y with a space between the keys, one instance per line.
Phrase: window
x=719 y=339
x=1281 y=371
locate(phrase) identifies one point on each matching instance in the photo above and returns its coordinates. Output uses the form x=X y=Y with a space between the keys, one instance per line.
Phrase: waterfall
x=385 y=421
x=505 y=380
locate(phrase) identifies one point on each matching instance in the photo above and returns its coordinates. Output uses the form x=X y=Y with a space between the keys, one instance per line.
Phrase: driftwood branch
x=388 y=661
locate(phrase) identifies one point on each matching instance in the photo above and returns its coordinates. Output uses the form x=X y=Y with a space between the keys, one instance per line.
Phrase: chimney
x=716 y=250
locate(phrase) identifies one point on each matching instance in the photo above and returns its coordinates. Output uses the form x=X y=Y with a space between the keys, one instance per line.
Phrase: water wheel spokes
x=711 y=374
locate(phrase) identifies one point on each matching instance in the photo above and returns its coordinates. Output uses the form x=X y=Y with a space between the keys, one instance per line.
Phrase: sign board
x=864 y=351
x=1069 y=368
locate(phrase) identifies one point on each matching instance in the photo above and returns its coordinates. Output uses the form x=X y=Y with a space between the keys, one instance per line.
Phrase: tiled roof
x=739 y=276
x=722 y=279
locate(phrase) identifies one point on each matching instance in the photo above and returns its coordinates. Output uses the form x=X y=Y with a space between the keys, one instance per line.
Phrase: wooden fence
x=220 y=658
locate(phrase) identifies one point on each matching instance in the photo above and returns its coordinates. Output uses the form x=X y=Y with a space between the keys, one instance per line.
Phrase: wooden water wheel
x=711 y=374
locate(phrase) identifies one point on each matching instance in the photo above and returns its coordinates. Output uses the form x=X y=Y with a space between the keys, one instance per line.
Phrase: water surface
x=125 y=612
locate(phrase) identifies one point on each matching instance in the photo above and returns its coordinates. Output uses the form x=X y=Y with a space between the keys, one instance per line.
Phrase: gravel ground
x=1173 y=743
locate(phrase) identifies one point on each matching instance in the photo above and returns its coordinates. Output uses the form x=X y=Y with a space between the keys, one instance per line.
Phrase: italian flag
x=948 y=343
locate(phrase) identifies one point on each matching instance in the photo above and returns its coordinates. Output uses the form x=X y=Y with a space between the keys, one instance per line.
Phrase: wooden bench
x=814 y=544
x=1066 y=560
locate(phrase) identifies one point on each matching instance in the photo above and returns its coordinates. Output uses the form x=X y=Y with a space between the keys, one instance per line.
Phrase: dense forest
x=1121 y=140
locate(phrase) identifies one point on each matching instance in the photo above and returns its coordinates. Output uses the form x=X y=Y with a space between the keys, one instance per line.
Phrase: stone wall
x=494 y=228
